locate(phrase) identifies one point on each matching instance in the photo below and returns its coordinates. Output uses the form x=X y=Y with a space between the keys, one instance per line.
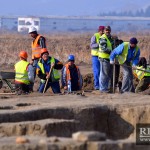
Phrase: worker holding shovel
x=128 y=56
x=47 y=71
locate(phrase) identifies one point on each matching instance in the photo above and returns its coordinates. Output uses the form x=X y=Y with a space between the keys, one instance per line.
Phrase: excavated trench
x=44 y=116
x=118 y=122
x=63 y=119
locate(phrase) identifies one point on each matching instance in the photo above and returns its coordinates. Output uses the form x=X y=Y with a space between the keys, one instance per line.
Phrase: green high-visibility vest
x=147 y=73
x=21 y=73
x=102 y=53
x=140 y=74
x=55 y=75
x=94 y=52
x=122 y=58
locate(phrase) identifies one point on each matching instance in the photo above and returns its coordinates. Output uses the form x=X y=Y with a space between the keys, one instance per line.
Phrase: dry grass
x=61 y=45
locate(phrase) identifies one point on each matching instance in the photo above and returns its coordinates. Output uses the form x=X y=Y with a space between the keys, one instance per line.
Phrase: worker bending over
x=24 y=75
x=47 y=69
x=71 y=78
x=128 y=56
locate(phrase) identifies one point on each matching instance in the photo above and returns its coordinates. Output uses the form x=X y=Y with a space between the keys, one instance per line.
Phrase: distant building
x=25 y=23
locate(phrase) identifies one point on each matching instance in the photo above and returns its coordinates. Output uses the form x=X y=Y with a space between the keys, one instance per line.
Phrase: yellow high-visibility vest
x=102 y=54
x=140 y=74
x=94 y=52
x=122 y=58
x=21 y=73
x=55 y=75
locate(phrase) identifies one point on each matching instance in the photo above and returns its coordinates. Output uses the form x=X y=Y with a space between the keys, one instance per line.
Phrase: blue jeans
x=127 y=83
x=54 y=85
x=96 y=71
x=105 y=75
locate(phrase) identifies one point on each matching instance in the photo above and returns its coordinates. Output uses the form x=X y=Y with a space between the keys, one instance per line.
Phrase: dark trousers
x=22 y=88
x=35 y=65
x=34 y=70
x=143 y=84
x=127 y=83
x=54 y=85
x=105 y=75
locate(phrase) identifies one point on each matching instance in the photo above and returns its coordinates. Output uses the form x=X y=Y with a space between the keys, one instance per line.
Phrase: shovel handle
x=114 y=76
x=47 y=80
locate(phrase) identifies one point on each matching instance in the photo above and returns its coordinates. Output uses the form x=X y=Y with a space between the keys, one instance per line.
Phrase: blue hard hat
x=71 y=57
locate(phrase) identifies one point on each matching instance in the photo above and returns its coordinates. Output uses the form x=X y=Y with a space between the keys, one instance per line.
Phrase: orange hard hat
x=23 y=54
x=44 y=50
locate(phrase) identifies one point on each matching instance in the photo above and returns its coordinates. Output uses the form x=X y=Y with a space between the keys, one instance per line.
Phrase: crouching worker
x=24 y=75
x=71 y=78
x=47 y=69
x=143 y=76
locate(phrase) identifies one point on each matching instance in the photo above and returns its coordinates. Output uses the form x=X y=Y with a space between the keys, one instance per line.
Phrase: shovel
x=48 y=78
x=114 y=76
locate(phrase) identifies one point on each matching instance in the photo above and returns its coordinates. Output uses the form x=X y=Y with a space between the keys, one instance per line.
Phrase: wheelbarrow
x=5 y=78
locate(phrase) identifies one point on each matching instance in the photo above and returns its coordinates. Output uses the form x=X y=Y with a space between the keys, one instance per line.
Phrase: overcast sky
x=68 y=7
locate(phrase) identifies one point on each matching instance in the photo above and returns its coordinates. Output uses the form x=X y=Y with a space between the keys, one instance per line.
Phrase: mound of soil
x=88 y=82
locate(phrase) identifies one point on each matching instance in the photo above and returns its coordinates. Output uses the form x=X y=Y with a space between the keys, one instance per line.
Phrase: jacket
x=73 y=74
x=37 y=44
x=95 y=44
x=141 y=74
x=43 y=68
x=105 y=47
x=132 y=54
x=24 y=72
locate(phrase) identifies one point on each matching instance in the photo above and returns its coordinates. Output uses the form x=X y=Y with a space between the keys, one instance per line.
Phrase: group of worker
x=109 y=52
x=46 y=68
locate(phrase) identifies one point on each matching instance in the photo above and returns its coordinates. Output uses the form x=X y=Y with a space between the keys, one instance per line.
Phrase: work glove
x=112 y=62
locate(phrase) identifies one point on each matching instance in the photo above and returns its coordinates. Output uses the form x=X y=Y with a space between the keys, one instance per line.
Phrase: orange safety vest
x=36 y=49
x=68 y=77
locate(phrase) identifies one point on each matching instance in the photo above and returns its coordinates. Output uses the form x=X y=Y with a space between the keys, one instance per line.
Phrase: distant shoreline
x=83 y=17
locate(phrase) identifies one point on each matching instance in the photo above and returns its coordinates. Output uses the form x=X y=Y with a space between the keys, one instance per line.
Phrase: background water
x=79 y=25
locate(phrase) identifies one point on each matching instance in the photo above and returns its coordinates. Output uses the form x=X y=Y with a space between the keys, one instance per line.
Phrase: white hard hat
x=32 y=29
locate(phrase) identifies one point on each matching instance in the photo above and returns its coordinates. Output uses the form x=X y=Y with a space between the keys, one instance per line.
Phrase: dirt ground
x=86 y=71
x=60 y=115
